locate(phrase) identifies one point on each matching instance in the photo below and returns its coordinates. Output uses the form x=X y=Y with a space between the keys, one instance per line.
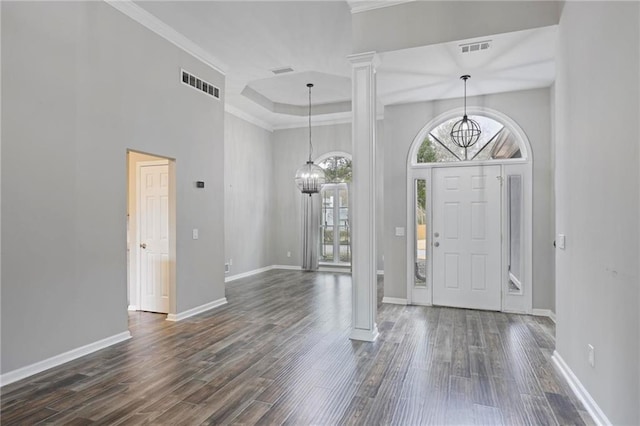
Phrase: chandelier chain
x=310 y=144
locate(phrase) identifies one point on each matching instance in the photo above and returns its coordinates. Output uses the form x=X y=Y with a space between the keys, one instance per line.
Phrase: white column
x=363 y=197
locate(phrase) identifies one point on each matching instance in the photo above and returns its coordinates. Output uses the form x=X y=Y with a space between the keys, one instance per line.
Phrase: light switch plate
x=399 y=231
x=561 y=241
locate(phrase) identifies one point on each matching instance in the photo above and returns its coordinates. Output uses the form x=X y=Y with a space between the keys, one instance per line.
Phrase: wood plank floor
x=279 y=353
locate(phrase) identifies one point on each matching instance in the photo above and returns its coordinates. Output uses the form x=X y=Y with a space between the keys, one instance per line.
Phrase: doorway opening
x=469 y=221
x=335 y=225
x=151 y=233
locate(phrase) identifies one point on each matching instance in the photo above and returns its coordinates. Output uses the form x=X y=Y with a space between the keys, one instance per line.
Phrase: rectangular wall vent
x=475 y=47
x=199 y=84
x=282 y=70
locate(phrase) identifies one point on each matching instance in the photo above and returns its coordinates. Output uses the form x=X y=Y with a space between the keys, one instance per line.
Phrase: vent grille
x=200 y=85
x=475 y=47
x=282 y=70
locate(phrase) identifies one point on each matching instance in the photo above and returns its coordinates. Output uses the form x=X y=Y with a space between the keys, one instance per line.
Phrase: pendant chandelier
x=465 y=132
x=310 y=178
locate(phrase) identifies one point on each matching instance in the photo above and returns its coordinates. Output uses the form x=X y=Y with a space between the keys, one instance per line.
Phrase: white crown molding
x=320 y=122
x=247 y=117
x=583 y=395
x=146 y=19
x=54 y=361
x=373 y=5
x=197 y=310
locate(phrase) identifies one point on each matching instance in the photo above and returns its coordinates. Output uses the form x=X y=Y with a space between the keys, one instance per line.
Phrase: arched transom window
x=496 y=142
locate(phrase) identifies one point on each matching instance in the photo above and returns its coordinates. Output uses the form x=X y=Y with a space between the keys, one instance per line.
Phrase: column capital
x=365 y=58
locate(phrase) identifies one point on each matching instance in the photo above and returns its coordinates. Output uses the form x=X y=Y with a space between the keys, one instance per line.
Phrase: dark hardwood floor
x=279 y=353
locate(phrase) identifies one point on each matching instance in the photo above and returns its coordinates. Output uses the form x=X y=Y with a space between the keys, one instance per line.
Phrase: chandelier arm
x=445 y=147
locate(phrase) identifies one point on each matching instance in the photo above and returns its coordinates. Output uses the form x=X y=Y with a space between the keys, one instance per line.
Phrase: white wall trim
x=334 y=269
x=146 y=19
x=583 y=395
x=394 y=300
x=132 y=308
x=197 y=310
x=247 y=117
x=287 y=267
x=379 y=272
x=248 y=273
x=364 y=335
x=544 y=313
x=54 y=361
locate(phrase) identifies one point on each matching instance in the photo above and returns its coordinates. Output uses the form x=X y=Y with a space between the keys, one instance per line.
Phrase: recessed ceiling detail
x=286 y=93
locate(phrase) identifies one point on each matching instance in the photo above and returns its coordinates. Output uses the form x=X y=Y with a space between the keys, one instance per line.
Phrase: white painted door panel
x=154 y=238
x=466 y=237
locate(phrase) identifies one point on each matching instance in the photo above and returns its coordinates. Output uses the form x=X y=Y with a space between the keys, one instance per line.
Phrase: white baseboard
x=54 y=361
x=394 y=300
x=545 y=313
x=288 y=267
x=132 y=308
x=592 y=407
x=197 y=310
x=248 y=273
x=334 y=269
x=364 y=335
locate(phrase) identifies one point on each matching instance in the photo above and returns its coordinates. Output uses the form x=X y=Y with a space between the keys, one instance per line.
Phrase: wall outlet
x=195 y=234
x=592 y=356
x=230 y=262
x=288 y=254
x=227 y=268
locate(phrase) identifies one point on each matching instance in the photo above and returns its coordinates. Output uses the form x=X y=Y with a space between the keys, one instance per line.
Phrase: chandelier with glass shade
x=310 y=177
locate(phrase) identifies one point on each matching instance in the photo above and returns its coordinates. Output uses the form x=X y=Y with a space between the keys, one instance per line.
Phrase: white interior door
x=154 y=238
x=466 y=237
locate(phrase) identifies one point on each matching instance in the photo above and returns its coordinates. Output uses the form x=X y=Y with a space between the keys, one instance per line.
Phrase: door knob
x=436 y=244
x=143 y=245
x=436 y=234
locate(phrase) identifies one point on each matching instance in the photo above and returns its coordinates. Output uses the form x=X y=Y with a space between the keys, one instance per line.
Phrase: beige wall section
x=597 y=97
x=249 y=194
x=76 y=94
x=133 y=158
x=530 y=109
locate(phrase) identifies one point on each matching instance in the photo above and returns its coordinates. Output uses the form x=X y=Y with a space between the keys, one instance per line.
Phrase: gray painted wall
x=421 y=23
x=81 y=84
x=597 y=95
x=249 y=190
x=291 y=150
x=531 y=110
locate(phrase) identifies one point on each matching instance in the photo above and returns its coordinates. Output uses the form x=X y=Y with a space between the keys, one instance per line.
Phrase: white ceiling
x=314 y=38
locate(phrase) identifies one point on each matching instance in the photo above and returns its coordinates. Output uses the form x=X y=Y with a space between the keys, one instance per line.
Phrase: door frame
x=134 y=231
x=335 y=188
x=520 y=302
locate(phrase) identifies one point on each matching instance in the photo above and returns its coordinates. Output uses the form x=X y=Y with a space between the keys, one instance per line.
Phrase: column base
x=364 y=335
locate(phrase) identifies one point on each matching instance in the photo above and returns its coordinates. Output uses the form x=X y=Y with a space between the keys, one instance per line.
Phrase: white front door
x=154 y=238
x=466 y=237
